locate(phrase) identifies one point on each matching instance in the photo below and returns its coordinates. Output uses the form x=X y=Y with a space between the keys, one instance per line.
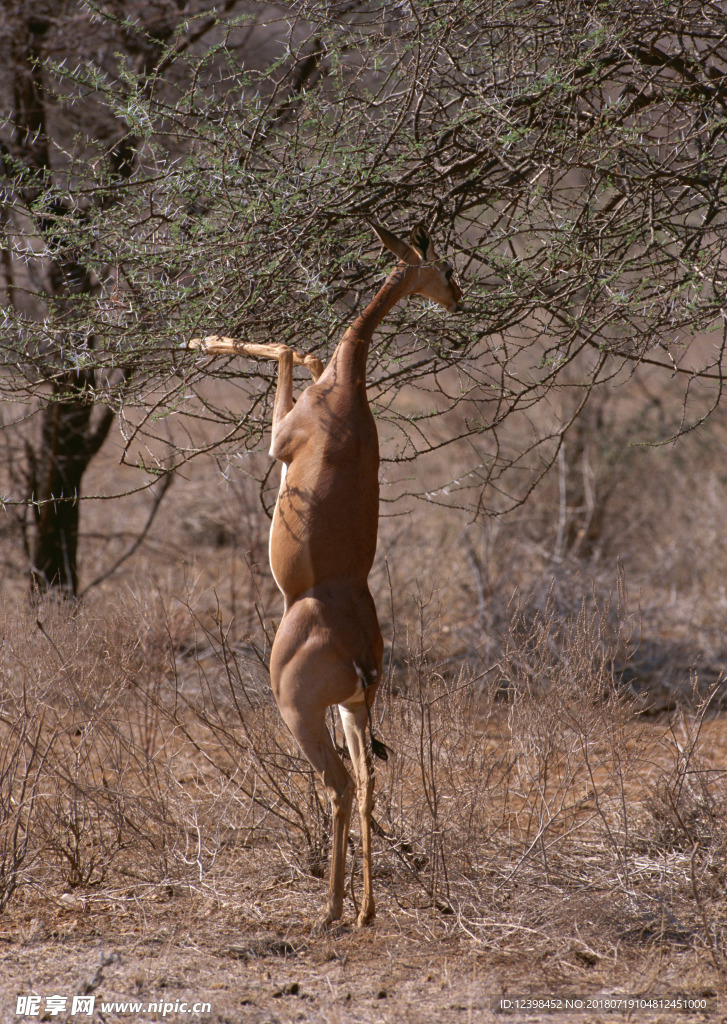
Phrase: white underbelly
x=283 y=471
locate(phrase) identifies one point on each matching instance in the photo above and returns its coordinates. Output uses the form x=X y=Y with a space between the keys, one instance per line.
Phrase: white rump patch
x=359 y=694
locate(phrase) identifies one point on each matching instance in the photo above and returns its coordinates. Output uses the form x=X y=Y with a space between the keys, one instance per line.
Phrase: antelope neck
x=350 y=356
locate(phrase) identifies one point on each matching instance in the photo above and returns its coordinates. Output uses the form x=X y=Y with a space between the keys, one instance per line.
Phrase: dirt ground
x=260 y=971
x=275 y=970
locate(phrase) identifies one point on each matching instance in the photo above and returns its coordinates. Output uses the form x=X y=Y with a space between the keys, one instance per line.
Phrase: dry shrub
x=545 y=796
x=571 y=724
x=528 y=806
x=23 y=750
x=86 y=763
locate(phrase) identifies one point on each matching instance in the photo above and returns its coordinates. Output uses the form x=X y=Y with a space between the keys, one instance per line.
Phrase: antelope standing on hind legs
x=328 y=648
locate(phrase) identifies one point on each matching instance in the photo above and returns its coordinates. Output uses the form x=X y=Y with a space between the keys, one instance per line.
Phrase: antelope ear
x=421 y=241
x=401 y=249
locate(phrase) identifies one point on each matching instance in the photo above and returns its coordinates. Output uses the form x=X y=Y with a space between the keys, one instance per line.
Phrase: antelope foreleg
x=219 y=345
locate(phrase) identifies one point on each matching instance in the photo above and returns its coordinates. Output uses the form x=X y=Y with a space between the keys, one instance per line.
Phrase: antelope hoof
x=211 y=339
x=314 y=365
x=366 y=917
x=203 y=343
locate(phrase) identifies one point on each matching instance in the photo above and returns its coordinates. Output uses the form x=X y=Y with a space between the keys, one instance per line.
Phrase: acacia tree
x=571 y=158
x=48 y=224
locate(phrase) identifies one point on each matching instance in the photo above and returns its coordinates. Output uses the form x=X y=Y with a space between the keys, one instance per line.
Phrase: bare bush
x=23 y=751
x=537 y=792
x=96 y=770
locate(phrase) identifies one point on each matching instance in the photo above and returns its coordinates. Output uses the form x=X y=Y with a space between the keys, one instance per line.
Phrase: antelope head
x=430 y=277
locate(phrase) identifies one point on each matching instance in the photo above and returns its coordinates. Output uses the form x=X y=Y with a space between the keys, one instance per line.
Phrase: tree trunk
x=70 y=432
x=69 y=441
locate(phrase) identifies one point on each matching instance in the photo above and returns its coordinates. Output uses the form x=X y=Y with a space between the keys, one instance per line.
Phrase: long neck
x=348 y=362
